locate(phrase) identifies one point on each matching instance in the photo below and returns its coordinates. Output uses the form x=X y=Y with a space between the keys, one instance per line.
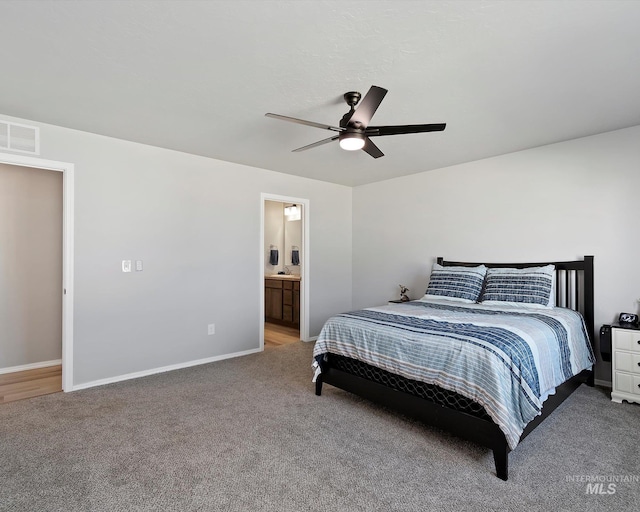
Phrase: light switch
x=138 y=265
x=126 y=265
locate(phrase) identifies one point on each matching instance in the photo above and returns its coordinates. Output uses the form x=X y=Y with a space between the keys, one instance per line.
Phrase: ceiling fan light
x=352 y=141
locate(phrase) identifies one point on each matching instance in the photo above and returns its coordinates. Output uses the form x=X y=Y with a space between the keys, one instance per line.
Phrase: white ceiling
x=198 y=76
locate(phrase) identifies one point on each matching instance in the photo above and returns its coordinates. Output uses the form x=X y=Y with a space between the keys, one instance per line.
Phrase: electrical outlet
x=126 y=265
x=211 y=329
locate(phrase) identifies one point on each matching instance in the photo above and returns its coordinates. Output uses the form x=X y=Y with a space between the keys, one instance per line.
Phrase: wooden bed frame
x=574 y=289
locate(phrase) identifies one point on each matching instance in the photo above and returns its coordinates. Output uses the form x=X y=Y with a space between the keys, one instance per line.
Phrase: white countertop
x=286 y=277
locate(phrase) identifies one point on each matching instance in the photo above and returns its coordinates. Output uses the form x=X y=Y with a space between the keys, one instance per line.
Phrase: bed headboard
x=574 y=284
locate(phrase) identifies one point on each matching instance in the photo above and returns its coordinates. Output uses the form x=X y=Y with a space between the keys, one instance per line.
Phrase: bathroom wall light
x=292 y=212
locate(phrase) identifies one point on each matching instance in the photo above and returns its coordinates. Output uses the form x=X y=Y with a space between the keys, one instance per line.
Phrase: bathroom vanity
x=282 y=300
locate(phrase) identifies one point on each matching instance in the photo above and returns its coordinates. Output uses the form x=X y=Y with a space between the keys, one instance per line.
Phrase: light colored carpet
x=249 y=434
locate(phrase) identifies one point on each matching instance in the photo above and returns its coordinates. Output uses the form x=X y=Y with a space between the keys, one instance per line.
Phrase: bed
x=489 y=371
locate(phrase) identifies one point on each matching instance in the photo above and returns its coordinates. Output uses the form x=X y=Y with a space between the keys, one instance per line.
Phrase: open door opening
x=38 y=357
x=284 y=271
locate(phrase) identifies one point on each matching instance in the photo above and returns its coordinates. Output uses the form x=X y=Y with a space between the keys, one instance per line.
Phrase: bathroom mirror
x=292 y=234
x=282 y=233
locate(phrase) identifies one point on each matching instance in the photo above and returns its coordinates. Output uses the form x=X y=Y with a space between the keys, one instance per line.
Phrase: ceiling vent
x=19 y=137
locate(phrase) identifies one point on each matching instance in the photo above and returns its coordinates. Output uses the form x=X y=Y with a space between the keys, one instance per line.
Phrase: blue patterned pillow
x=530 y=286
x=463 y=284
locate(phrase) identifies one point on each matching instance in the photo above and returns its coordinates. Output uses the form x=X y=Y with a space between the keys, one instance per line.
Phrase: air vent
x=19 y=137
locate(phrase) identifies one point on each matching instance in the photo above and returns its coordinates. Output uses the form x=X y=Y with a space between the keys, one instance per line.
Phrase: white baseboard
x=602 y=383
x=153 y=371
x=313 y=338
x=32 y=366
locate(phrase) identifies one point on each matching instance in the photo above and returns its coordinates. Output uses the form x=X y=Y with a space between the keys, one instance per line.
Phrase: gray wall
x=555 y=202
x=195 y=222
x=30 y=265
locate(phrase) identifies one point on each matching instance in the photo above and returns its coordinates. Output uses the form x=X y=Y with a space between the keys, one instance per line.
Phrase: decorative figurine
x=403 y=293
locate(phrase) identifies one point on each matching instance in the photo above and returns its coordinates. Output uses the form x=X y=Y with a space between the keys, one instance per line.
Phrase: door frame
x=304 y=274
x=67 y=252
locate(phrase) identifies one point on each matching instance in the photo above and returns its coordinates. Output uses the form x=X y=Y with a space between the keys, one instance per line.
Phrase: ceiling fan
x=354 y=131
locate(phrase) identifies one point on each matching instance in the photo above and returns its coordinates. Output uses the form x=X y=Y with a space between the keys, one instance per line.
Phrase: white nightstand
x=625 y=364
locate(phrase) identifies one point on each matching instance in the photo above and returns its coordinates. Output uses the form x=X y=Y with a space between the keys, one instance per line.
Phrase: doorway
x=30 y=281
x=284 y=270
x=40 y=367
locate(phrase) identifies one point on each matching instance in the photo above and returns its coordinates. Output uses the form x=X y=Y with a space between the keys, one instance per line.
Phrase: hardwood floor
x=277 y=335
x=30 y=383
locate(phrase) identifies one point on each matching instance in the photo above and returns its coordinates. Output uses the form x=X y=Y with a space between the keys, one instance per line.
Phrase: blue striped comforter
x=507 y=359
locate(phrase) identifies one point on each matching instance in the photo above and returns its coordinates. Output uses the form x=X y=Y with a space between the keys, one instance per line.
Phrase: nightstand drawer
x=627 y=383
x=626 y=339
x=627 y=362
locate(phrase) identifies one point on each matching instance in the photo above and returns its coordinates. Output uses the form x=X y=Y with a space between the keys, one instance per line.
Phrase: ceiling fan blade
x=316 y=144
x=372 y=149
x=367 y=107
x=307 y=123
x=374 y=131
